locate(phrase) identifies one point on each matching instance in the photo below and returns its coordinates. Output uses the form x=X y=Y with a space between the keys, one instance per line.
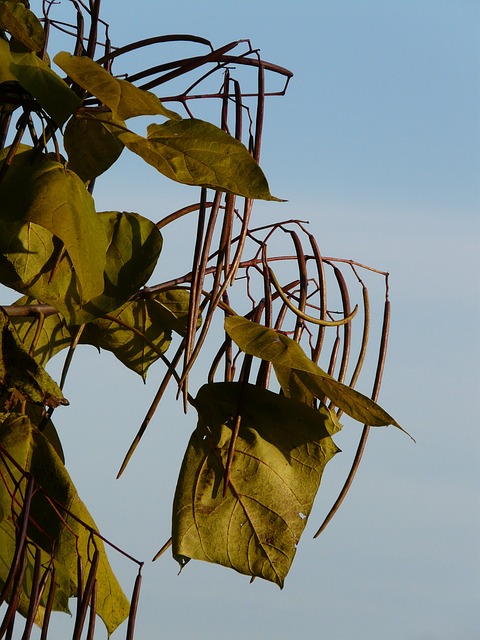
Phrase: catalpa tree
x=267 y=411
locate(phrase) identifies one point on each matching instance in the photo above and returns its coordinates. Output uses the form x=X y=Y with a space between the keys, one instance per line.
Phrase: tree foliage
x=266 y=422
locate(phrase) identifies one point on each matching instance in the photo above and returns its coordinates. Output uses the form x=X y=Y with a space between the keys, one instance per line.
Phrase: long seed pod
x=84 y=603
x=34 y=594
x=134 y=605
x=49 y=605
x=366 y=428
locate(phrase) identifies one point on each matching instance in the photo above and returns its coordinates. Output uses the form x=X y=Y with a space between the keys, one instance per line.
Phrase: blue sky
x=377 y=144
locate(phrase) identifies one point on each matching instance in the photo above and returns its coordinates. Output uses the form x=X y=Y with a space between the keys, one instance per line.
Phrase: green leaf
x=36 y=267
x=33 y=263
x=21 y=374
x=91 y=146
x=292 y=366
x=280 y=454
x=53 y=334
x=36 y=77
x=60 y=538
x=47 y=194
x=134 y=245
x=198 y=153
x=135 y=333
x=22 y=24
x=124 y=99
x=141 y=330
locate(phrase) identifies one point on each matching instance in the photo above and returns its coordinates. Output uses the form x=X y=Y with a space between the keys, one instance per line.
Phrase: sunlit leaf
x=60 y=535
x=91 y=146
x=124 y=99
x=22 y=24
x=291 y=365
x=47 y=194
x=36 y=77
x=198 y=153
x=34 y=265
x=43 y=337
x=20 y=373
x=280 y=454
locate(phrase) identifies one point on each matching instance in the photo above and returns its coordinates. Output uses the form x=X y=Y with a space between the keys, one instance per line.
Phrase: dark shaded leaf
x=134 y=333
x=140 y=330
x=21 y=374
x=91 y=146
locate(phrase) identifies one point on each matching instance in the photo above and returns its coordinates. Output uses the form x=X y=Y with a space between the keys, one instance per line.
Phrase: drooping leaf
x=280 y=454
x=60 y=535
x=21 y=374
x=124 y=99
x=198 y=153
x=91 y=146
x=22 y=24
x=36 y=77
x=47 y=194
x=292 y=365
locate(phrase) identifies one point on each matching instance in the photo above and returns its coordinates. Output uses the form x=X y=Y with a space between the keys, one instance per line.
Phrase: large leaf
x=22 y=24
x=124 y=99
x=20 y=374
x=198 y=153
x=292 y=366
x=59 y=535
x=91 y=147
x=55 y=198
x=35 y=266
x=280 y=454
x=36 y=77
x=33 y=263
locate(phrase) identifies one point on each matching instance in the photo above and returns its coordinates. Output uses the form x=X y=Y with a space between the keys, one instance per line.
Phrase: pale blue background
x=377 y=144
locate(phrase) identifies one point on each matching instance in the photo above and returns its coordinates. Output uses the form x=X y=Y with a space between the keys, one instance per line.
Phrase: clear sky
x=377 y=144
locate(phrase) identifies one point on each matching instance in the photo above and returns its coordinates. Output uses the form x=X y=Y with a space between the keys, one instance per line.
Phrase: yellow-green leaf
x=34 y=265
x=124 y=99
x=47 y=194
x=36 y=77
x=291 y=365
x=22 y=24
x=91 y=146
x=60 y=535
x=198 y=153
x=43 y=337
x=280 y=454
